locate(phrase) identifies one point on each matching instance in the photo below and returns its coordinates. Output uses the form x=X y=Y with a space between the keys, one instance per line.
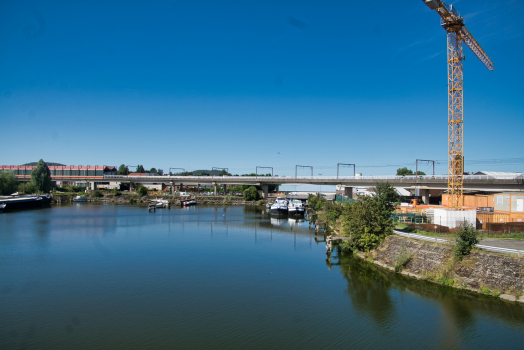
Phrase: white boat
x=80 y=199
x=296 y=207
x=279 y=207
x=2 y=206
x=161 y=203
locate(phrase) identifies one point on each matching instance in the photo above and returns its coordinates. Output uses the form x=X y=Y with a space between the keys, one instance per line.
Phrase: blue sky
x=201 y=84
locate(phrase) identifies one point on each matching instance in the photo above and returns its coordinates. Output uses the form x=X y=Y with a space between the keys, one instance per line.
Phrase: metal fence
x=340 y=198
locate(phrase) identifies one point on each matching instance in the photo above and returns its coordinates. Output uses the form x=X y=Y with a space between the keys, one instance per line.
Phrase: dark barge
x=25 y=202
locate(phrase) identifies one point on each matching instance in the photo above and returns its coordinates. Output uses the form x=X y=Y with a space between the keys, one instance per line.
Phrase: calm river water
x=118 y=277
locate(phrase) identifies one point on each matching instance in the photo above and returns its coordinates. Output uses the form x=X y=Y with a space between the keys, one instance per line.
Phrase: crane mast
x=457 y=33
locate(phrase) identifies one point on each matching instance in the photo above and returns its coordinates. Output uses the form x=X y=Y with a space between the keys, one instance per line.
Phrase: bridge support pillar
x=215 y=190
x=265 y=189
x=348 y=192
x=172 y=188
x=425 y=196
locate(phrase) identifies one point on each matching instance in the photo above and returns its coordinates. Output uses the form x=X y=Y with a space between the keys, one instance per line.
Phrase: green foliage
x=8 y=183
x=142 y=190
x=116 y=192
x=261 y=203
x=465 y=241
x=331 y=211
x=122 y=170
x=41 y=177
x=28 y=188
x=251 y=194
x=72 y=189
x=316 y=202
x=132 y=200
x=368 y=220
x=97 y=194
x=386 y=196
x=140 y=169
x=405 y=171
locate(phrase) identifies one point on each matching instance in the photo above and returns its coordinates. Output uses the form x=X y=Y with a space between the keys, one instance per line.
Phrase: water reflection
x=462 y=313
x=202 y=276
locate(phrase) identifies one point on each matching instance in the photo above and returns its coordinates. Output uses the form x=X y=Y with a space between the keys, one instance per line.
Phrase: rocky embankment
x=174 y=200
x=488 y=273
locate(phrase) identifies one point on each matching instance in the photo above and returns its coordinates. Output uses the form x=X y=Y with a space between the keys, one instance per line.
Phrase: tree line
x=40 y=181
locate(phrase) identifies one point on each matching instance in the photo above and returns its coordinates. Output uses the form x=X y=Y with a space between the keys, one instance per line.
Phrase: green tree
x=368 y=220
x=140 y=169
x=153 y=170
x=142 y=190
x=8 y=183
x=316 y=202
x=251 y=194
x=405 y=171
x=41 y=177
x=387 y=196
x=160 y=172
x=122 y=170
x=465 y=241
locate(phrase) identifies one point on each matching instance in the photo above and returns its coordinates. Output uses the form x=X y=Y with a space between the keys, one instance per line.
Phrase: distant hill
x=48 y=163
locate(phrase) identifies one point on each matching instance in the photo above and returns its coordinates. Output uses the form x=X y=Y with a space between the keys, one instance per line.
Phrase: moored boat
x=279 y=207
x=296 y=207
x=80 y=199
x=161 y=203
x=2 y=206
x=16 y=202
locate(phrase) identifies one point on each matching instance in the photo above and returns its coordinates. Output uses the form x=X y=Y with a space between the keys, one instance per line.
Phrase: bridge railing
x=318 y=178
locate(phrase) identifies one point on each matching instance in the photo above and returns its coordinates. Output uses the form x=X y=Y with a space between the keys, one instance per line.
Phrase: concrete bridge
x=425 y=183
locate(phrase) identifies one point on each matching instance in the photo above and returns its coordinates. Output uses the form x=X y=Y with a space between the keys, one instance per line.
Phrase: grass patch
x=402 y=259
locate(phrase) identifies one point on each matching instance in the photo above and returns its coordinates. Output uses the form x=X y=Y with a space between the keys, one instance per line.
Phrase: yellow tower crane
x=457 y=33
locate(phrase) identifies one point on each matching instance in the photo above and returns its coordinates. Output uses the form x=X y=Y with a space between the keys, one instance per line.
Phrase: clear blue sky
x=201 y=84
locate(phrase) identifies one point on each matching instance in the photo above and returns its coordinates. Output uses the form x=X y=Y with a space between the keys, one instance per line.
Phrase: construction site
x=495 y=212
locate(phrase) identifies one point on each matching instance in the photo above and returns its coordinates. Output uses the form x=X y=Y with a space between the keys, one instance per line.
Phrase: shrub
x=465 y=241
x=97 y=194
x=8 y=183
x=142 y=190
x=316 y=202
x=29 y=188
x=116 y=193
x=251 y=194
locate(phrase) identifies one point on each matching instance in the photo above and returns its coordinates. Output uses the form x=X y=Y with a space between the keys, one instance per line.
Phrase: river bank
x=174 y=200
x=486 y=273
